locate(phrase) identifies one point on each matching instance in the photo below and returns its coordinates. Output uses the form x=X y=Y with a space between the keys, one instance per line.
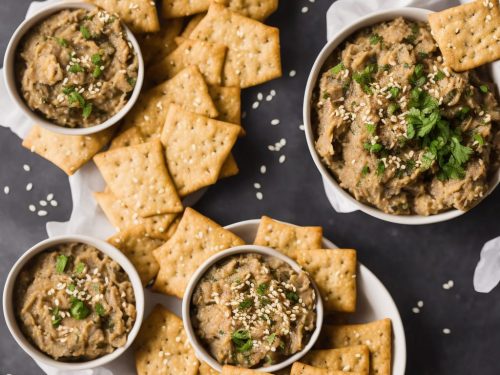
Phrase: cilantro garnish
x=394 y=91
x=75 y=68
x=439 y=75
x=96 y=59
x=87 y=110
x=292 y=296
x=484 y=89
x=479 y=139
x=131 y=81
x=374 y=148
x=415 y=31
x=56 y=317
x=365 y=77
x=245 y=304
x=71 y=287
x=392 y=108
x=380 y=168
x=270 y=338
x=462 y=113
x=78 y=309
x=337 y=68
x=262 y=289
x=422 y=55
x=76 y=97
x=418 y=77
x=370 y=128
x=365 y=170
x=85 y=32
x=96 y=73
x=99 y=309
x=62 y=42
x=242 y=340
x=80 y=267
x=61 y=262
x=375 y=39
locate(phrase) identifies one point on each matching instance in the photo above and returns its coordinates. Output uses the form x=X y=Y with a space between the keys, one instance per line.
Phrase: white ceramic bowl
x=331 y=185
x=27 y=346
x=199 y=349
x=11 y=79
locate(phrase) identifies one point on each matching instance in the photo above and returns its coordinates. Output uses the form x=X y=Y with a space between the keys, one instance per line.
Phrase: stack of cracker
x=347 y=349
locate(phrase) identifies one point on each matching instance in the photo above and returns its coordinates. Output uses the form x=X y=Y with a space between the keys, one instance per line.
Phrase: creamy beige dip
x=399 y=129
x=251 y=311
x=74 y=303
x=77 y=68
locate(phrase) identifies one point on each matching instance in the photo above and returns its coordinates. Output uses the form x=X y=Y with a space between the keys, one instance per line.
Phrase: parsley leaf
x=61 y=262
x=56 y=317
x=375 y=39
x=96 y=59
x=270 y=338
x=292 y=296
x=245 y=304
x=242 y=340
x=484 y=89
x=78 y=309
x=380 y=168
x=479 y=139
x=80 y=267
x=460 y=153
x=87 y=110
x=394 y=91
x=85 y=32
x=365 y=170
x=370 y=128
x=75 y=68
x=439 y=75
x=262 y=289
x=337 y=68
x=365 y=77
x=99 y=309
x=62 y=42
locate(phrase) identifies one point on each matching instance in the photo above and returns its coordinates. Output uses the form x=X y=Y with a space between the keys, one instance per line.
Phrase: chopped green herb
x=61 y=262
x=370 y=128
x=262 y=289
x=418 y=77
x=376 y=147
x=62 y=42
x=365 y=170
x=78 y=309
x=87 y=110
x=394 y=91
x=246 y=303
x=131 y=81
x=270 y=338
x=380 y=168
x=365 y=77
x=484 y=89
x=439 y=75
x=415 y=30
x=56 y=317
x=292 y=296
x=96 y=59
x=71 y=287
x=80 y=267
x=375 y=39
x=326 y=95
x=392 y=108
x=337 y=68
x=422 y=55
x=96 y=73
x=462 y=113
x=75 y=68
x=76 y=97
x=242 y=340
x=85 y=32
x=479 y=139
x=99 y=309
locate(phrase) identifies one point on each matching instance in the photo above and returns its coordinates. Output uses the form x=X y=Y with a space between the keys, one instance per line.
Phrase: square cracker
x=129 y=137
x=468 y=35
x=68 y=152
x=206 y=370
x=290 y=239
x=191 y=25
x=377 y=336
x=183 y=8
x=140 y=15
x=227 y=100
x=138 y=246
x=256 y=9
x=299 y=368
x=334 y=272
x=187 y=89
x=155 y=46
x=138 y=176
x=253 y=54
x=207 y=56
x=195 y=240
x=232 y=370
x=229 y=168
x=122 y=217
x=162 y=347
x=196 y=148
x=355 y=358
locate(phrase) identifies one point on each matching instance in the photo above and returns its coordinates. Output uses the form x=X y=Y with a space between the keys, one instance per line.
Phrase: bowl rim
x=418 y=14
x=26 y=345
x=199 y=350
x=10 y=78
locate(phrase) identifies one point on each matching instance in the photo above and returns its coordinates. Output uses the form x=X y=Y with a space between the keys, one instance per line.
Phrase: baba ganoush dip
x=77 y=68
x=399 y=129
x=74 y=302
x=251 y=310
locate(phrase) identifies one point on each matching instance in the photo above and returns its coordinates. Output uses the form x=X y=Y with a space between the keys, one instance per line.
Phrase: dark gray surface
x=413 y=262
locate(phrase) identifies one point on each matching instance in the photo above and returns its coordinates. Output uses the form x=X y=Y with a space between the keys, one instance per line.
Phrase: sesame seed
x=446 y=331
x=256 y=185
x=32 y=207
x=415 y=310
x=304 y=9
x=259 y=195
x=260 y=96
x=302 y=127
x=6 y=190
x=29 y=186
x=420 y=303
x=282 y=159
x=269 y=98
x=273 y=92
x=263 y=169
x=292 y=73
x=275 y=121
x=53 y=203
x=50 y=197
x=26 y=167
x=255 y=105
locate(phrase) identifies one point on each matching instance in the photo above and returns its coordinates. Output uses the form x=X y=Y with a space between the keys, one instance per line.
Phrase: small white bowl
x=331 y=185
x=199 y=350
x=27 y=346
x=10 y=78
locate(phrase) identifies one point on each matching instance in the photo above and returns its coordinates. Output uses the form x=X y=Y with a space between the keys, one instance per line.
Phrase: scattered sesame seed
x=415 y=310
x=256 y=185
x=282 y=159
x=50 y=197
x=26 y=167
x=292 y=73
x=260 y=96
x=263 y=169
x=269 y=98
x=6 y=190
x=255 y=105
x=42 y=213
x=29 y=186
x=302 y=127
x=32 y=207
x=275 y=122
x=53 y=203
x=304 y=9
x=446 y=331
x=43 y=203
x=273 y=92
x=259 y=195
x=420 y=303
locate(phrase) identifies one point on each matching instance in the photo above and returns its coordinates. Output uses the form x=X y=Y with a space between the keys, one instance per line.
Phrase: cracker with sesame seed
x=334 y=272
x=196 y=147
x=196 y=239
x=138 y=246
x=233 y=370
x=468 y=35
x=290 y=239
x=207 y=56
x=206 y=370
x=253 y=54
x=355 y=358
x=122 y=217
x=377 y=336
x=162 y=346
x=187 y=89
x=191 y=25
x=155 y=46
x=299 y=368
x=229 y=168
x=140 y=15
x=68 y=152
x=138 y=176
x=256 y=9
x=183 y=8
x=227 y=100
x=130 y=137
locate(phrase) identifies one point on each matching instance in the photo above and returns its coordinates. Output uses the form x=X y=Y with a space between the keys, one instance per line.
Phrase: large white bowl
x=9 y=71
x=331 y=185
x=198 y=347
x=27 y=346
